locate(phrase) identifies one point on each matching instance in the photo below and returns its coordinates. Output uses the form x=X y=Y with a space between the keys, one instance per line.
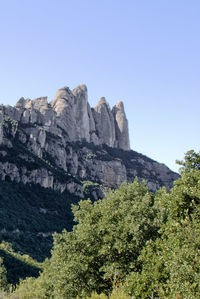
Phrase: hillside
x=54 y=154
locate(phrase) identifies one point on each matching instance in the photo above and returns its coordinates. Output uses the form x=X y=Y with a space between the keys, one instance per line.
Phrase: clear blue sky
x=143 y=52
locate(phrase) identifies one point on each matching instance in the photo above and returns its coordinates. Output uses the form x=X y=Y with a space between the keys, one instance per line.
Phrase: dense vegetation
x=29 y=214
x=133 y=244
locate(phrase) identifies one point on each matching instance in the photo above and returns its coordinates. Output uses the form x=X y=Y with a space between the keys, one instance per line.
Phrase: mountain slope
x=53 y=155
x=61 y=144
x=30 y=214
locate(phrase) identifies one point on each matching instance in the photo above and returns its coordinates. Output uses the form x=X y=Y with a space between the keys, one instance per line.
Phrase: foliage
x=17 y=266
x=147 y=243
x=104 y=245
x=117 y=293
x=9 y=123
x=3 y=279
x=89 y=187
x=90 y=156
x=171 y=263
x=29 y=214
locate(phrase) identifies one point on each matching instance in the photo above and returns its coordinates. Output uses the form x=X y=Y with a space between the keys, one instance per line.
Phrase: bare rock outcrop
x=63 y=105
x=64 y=143
x=69 y=115
x=121 y=127
x=97 y=125
x=81 y=113
x=104 y=123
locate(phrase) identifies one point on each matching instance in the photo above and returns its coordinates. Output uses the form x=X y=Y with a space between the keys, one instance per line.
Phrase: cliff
x=67 y=145
x=53 y=154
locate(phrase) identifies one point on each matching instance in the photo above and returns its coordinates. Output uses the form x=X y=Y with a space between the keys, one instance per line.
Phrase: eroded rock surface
x=70 y=114
x=66 y=144
x=121 y=126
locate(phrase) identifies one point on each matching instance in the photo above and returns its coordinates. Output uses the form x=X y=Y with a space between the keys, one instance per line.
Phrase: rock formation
x=99 y=125
x=105 y=126
x=66 y=143
x=121 y=126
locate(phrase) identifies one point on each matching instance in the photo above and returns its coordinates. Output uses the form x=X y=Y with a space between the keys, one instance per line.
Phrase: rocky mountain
x=67 y=145
x=54 y=154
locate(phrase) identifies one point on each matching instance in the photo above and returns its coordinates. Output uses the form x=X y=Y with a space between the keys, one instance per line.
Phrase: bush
x=104 y=245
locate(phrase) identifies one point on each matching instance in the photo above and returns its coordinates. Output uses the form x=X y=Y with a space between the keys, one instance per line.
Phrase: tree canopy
x=147 y=243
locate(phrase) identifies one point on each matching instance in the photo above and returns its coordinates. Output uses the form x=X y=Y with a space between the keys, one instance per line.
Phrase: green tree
x=104 y=245
x=148 y=242
x=171 y=263
x=3 y=279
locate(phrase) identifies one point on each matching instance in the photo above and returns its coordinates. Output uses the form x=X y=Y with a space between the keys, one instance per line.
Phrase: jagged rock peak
x=23 y=103
x=82 y=112
x=120 y=105
x=63 y=98
x=40 y=103
x=99 y=125
x=104 y=121
x=70 y=114
x=80 y=89
x=102 y=101
x=80 y=95
x=20 y=103
x=121 y=126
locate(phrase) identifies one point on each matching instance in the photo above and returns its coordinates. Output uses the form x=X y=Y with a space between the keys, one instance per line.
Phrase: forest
x=132 y=244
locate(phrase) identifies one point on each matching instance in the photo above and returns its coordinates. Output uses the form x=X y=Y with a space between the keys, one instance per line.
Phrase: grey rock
x=69 y=115
x=81 y=113
x=104 y=121
x=65 y=143
x=63 y=105
x=121 y=126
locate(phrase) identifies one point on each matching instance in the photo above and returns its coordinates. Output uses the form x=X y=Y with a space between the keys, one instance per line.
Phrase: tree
x=171 y=263
x=3 y=279
x=149 y=242
x=104 y=245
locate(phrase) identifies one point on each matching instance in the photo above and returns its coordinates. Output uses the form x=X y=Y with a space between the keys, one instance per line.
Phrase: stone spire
x=121 y=126
x=104 y=121
x=69 y=114
x=81 y=112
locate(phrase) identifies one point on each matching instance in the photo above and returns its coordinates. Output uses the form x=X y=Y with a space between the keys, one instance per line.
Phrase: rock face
x=121 y=127
x=105 y=126
x=66 y=144
x=99 y=125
